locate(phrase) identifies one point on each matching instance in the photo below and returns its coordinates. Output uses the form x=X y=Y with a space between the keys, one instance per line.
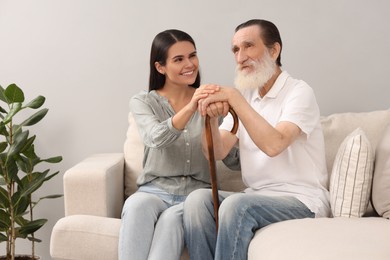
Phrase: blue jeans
x=240 y=215
x=152 y=225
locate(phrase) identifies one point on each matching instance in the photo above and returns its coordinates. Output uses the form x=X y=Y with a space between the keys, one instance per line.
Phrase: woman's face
x=182 y=64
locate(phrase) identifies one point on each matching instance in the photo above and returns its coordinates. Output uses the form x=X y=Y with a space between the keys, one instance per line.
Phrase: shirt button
x=183 y=178
x=188 y=161
x=187 y=144
x=185 y=130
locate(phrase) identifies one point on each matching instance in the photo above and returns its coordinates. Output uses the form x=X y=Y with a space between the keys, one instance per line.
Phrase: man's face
x=255 y=66
x=247 y=46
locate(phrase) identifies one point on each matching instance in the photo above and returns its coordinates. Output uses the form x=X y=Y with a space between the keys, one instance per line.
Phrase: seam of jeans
x=238 y=231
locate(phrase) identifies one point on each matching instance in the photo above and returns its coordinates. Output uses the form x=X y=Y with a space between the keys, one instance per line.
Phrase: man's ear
x=159 y=67
x=275 y=51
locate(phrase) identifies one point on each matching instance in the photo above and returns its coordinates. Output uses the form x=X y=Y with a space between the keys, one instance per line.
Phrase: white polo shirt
x=300 y=170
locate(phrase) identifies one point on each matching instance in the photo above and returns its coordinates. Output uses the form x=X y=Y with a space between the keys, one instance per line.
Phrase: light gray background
x=88 y=57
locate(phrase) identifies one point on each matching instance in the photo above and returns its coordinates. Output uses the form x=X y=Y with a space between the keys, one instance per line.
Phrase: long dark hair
x=269 y=33
x=159 y=51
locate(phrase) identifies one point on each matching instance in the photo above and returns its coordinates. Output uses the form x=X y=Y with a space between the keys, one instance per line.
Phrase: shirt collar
x=278 y=85
x=274 y=91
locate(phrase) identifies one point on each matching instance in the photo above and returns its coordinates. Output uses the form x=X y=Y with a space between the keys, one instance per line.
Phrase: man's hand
x=200 y=93
x=215 y=104
x=217 y=109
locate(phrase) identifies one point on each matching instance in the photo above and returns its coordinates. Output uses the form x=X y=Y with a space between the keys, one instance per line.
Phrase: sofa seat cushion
x=85 y=237
x=323 y=238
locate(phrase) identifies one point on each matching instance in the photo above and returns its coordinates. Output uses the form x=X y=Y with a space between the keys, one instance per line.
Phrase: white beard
x=264 y=69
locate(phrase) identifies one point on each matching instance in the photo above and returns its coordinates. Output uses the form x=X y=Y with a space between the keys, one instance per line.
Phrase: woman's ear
x=159 y=67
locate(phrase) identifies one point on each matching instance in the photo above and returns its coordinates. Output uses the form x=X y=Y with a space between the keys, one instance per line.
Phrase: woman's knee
x=198 y=206
x=198 y=198
x=142 y=202
x=173 y=214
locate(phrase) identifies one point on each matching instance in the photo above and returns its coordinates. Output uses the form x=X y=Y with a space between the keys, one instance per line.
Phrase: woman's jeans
x=240 y=215
x=152 y=225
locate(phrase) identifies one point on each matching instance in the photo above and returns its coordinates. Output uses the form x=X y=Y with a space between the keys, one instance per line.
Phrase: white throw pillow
x=351 y=177
x=381 y=182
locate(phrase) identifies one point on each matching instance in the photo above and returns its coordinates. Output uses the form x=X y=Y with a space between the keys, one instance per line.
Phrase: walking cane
x=212 y=164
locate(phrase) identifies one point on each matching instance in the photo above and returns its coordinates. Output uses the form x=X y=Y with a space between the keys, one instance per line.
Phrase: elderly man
x=281 y=146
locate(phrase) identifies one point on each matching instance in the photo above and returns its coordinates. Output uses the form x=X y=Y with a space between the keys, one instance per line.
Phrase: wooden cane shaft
x=212 y=163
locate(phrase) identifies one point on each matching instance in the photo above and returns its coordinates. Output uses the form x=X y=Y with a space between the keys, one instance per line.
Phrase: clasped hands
x=213 y=100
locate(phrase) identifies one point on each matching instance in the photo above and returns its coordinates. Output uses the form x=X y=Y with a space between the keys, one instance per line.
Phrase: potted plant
x=19 y=176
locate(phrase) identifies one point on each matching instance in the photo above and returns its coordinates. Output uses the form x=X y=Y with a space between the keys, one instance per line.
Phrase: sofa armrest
x=95 y=186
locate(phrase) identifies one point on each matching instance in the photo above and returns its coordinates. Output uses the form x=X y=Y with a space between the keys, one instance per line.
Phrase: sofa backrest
x=336 y=127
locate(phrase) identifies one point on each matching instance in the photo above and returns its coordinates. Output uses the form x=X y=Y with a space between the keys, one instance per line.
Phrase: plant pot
x=21 y=257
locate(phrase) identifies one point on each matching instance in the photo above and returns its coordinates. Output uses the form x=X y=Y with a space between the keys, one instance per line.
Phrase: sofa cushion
x=85 y=237
x=381 y=182
x=337 y=126
x=323 y=239
x=351 y=178
x=134 y=153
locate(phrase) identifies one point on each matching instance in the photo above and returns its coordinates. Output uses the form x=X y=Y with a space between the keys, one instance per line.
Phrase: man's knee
x=233 y=204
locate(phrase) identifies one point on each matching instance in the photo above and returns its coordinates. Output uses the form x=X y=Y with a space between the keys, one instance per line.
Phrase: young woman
x=174 y=164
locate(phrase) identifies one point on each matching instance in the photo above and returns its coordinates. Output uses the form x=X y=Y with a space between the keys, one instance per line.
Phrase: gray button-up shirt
x=173 y=159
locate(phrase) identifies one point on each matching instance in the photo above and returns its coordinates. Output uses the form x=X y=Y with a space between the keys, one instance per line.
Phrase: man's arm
x=271 y=140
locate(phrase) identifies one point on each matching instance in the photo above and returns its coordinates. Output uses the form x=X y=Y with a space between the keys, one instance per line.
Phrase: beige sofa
x=95 y=188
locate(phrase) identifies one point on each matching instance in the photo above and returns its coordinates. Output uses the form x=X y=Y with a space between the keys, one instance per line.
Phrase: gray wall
x=89 y=57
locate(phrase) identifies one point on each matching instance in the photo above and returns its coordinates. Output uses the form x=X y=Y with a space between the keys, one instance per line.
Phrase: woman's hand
x=202 y=92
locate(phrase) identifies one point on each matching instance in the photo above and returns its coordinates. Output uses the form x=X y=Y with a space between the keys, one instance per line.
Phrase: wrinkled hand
x=220 y=108
x=215 y=104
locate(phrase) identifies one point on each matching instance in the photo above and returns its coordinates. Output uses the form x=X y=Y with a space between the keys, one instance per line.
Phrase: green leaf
x=3 y=238
x=5 y=221
x=55 y=196
x=36 y=102
x=14 y=94
x=24 y=164
x=12 y=171
x=35 y=118
x=21 y=221
x=14 y=110
x=2 y=110
x=2 y=181
x=3 y=129
x=29 y=147
x=20 y=203
x=18 y=143
x=34 y=239
x=30 y=178
x=51 y=176
x=55 y=159
x=3 y=146
x=34 y=184
x=32 y=226
x=4 y=202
